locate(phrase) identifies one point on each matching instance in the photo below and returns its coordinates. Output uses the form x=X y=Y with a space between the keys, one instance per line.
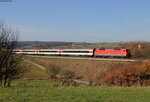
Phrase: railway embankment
x=115 y=72
x=88 y=69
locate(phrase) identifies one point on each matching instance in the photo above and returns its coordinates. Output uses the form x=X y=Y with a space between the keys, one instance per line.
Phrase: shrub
x=139 y=49
x=129 y=75
x=68 y=78
x=53 y=70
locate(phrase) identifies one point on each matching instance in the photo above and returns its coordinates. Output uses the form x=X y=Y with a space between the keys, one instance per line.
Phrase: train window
x=28 y=51
x=116 y=49
x=48 y=51
x=75 y=51
x=102 y=48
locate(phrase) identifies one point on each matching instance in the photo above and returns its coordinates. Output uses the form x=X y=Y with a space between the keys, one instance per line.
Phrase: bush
x=53 y=70
x=130 y=75
x=139 y=49
x=68 y=78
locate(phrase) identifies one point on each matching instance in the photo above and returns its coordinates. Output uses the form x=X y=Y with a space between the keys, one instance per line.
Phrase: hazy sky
x=79 y=20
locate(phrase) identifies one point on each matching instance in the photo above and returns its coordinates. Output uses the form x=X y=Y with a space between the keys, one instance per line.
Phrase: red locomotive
x=112 y=52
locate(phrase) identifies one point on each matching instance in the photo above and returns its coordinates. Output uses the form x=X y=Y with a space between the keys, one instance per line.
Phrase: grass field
x=32 y=72
x=43 y=91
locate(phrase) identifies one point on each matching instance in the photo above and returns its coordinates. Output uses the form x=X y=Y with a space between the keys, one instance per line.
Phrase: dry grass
x=88 y=69
x=32 y=72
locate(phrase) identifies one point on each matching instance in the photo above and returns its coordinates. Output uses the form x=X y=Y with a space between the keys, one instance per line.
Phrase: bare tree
x=9 y=61
x=68 y=79
x=53 y=70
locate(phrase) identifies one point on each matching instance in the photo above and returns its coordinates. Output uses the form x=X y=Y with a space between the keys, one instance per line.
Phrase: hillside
x=57 y=44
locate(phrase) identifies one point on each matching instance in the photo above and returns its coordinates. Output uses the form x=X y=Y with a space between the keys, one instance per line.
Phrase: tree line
x=139 y=49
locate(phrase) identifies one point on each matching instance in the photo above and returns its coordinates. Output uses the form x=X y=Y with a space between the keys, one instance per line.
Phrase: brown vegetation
x=53 y=70
x=104 y=72
x=68 y=78
x=88 y=69
x=133 y=74
x=139 y=49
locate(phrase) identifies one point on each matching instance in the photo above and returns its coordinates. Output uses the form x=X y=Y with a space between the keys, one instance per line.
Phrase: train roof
x=54 y=49
x=112 y=49
x=77 y=49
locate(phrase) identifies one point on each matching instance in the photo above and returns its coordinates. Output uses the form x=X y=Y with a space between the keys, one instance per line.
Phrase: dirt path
x=35 y=64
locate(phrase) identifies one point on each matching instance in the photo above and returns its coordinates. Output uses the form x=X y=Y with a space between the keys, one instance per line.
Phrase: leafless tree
x=68 y=79
x=53 y=70
x=9 y=61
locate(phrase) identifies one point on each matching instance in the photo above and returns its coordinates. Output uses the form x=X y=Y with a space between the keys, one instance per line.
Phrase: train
x=121 y=53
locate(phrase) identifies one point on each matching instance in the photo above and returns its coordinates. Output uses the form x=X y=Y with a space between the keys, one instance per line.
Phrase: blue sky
x=79 y=20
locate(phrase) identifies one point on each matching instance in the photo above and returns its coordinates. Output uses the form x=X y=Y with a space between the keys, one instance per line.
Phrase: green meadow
x=44 y=91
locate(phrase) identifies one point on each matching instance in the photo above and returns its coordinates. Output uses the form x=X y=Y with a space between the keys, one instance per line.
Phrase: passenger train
x=124 y=53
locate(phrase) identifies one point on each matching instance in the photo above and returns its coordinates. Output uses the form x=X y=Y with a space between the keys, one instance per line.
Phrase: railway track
x=87 y=58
